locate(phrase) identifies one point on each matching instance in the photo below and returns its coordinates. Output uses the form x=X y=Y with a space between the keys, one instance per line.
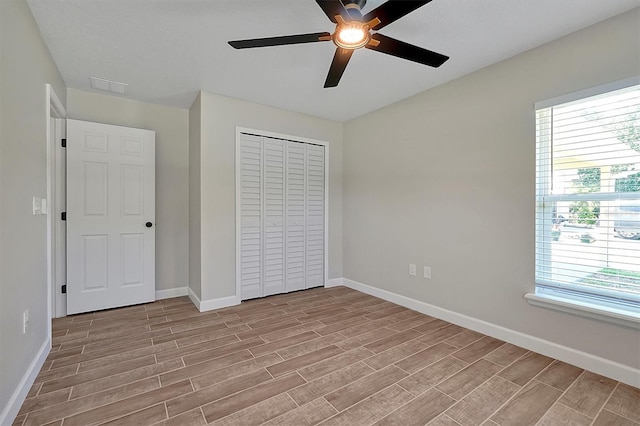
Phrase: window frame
x=597 y=303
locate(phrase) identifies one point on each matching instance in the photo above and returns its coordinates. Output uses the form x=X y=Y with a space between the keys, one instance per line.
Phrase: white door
x=314 y=249
x=110 y=216
x=296 y=184
x=274 y=250
x=249 y=184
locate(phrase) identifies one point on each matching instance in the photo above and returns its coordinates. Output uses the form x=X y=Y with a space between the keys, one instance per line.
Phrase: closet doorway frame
x=299 y=139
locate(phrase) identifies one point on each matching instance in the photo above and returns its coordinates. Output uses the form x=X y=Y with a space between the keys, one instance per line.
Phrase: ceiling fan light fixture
x=352 y=37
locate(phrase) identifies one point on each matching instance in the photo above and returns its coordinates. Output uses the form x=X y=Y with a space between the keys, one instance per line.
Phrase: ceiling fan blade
x=281 y=40
x=340 y=61
x=393 y=10
x=407 y=51
x=332 y=8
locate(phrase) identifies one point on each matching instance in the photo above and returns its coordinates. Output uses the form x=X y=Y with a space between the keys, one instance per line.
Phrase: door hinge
x=63 y=216
x=64 y=289
x=64 y=142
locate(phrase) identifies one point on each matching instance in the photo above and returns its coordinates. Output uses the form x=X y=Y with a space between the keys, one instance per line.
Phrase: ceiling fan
x=353 y=31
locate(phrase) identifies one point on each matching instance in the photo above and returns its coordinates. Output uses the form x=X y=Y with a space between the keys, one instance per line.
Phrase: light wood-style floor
x=331 y=356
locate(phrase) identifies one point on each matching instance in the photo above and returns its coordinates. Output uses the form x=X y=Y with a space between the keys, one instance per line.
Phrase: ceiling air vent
x=108 y=85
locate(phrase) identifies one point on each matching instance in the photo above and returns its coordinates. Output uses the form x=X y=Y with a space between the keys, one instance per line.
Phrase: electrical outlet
x=427 y=272
x=412 y=269
x=25 y=322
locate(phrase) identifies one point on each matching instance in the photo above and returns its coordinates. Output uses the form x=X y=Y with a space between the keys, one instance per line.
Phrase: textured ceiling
x=168 y=50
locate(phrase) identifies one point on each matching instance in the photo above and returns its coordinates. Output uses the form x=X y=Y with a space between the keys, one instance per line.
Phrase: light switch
x=412 y=270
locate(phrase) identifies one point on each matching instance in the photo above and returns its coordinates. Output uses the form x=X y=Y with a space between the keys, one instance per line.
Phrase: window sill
x=585 y=309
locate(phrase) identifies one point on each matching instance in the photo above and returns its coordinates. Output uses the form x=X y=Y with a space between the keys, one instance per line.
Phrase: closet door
x=250 y=200
x=296 y=212
x=274 y=235
x=314 y=244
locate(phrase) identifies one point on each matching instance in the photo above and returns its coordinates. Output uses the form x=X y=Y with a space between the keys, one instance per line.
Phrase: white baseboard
x=211 y=304
x=596 y=364
x=10 y=411
x=334 y=282
x=172 y=292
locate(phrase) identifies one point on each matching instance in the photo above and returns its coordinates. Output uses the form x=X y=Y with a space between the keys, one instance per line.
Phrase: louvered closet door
x=296 y=212
x=250 y=184
x=274 y=235
x=314 y=247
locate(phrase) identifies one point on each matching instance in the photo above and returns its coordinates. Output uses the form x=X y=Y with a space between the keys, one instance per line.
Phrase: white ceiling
x=168 y=50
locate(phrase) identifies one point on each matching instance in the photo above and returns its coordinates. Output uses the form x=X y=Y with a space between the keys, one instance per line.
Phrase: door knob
x=148 y=224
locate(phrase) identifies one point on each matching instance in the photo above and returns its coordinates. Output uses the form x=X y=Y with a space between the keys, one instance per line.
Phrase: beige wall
x=172 y=172
x=220 y=116
x=447 y=179
x=195 y=123
x=25 y=68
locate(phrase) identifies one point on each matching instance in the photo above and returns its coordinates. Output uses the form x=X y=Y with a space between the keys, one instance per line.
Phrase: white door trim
x=56 y=113
x=267 y=134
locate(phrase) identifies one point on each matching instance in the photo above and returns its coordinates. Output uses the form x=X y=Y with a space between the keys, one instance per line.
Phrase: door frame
x=56 y=115
x=291 y=138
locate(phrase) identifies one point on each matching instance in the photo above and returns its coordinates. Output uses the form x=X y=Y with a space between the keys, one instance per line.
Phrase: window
x=588 y=200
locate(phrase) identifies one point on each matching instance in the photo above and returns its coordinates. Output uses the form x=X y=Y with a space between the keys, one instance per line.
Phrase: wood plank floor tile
x=432 y=326
x=371 y=409
x=306 y=415
x=526 y=368
x=394 y=340
x=429 y=376
x=234 y=370
x=305 y=360
x=259 y=413
x=249 y=397
x=467 y=379
x=122 y=408
x=190 y=418
x=333 y=328
x=478 y=349
x=179 y=352
x=46 y=400
x=219 y=351
x=329 y=383
x=79 y=405
x=483 y=402
x=625 y=401
x=607 y=418
x=395 y=354
x=412 y=322
x=218 y=391
x=443 y=420
x=355 y=330
x=588 y=393
x=425 y=357
x=505 y=354
x=559 y=375
x=203 y=367
x=420 y=411
x=310 y=346
x=98 y=373
x=440 y=335
x=109 y=382
x=560 y=414
x=464 y=339
x=148 y=416
x=365 y=338
x=283 y=343
x=338 y=362
x=528 y=406
x=291 y=331
x=357 y=391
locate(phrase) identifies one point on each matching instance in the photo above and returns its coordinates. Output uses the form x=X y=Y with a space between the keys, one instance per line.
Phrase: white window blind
x=588 y=199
